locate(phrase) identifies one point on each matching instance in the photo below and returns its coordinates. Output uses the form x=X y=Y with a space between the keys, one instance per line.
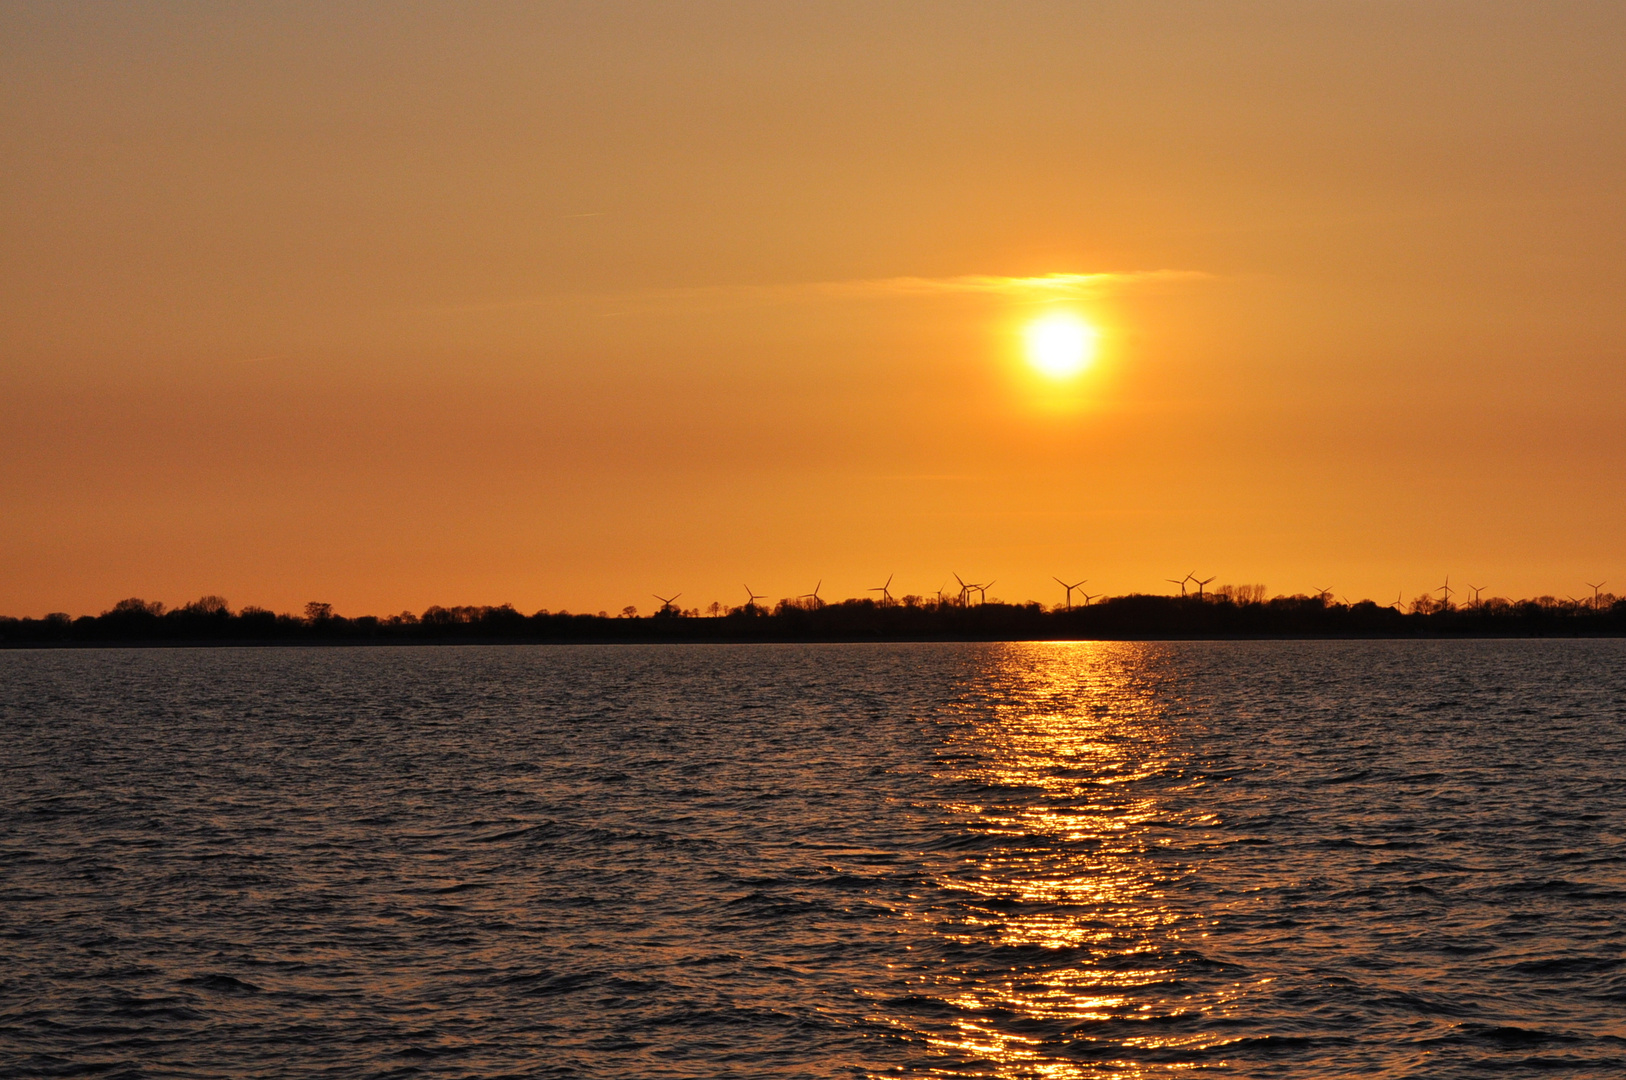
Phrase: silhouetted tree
x=1426 y=605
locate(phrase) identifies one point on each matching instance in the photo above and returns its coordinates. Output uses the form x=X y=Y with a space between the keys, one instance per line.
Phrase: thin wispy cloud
x=1037 y=288
x=989 y=284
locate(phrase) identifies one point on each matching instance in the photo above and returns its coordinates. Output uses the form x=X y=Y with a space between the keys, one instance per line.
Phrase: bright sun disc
x=1060 y=345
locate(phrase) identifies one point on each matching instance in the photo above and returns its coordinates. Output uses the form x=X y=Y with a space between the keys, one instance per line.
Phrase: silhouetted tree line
x=1227 y=613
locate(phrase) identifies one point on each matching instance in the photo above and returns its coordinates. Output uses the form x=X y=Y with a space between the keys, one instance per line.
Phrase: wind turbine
x=1400 y=600
x=983 y=589
x=814 y=595
x=965 y=590
x=1446 y=589
x=1200 y=583
x=1090 y=596
x=1069 y=589
x=886 y=595
x=752 y=598
x=1181 y=582
x=1477 y=590
x=1322 y=594
x=666 y=603
x=1595 y=602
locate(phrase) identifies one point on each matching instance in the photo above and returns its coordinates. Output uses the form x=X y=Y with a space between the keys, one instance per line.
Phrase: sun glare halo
x=1060 y=345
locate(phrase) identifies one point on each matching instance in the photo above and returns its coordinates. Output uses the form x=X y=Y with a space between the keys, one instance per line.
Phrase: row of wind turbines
x=979 y=590
x=970 y=593
x=1446 y=591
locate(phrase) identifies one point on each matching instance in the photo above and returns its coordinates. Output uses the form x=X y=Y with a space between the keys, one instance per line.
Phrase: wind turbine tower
x=1069 y=589
x=884 y=590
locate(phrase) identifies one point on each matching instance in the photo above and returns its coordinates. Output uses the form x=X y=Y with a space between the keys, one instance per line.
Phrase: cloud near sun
x=1042 y=287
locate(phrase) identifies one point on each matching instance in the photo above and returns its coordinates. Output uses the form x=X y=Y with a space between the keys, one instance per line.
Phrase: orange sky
x=562 y=305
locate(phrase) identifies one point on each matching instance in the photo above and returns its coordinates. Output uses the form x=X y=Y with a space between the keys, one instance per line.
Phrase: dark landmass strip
x=1134 y=617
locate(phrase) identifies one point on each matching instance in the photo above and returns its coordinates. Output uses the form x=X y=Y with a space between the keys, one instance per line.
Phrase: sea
x=1049 y=860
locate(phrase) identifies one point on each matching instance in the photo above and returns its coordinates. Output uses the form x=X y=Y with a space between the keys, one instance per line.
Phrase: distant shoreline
x=209 y=623
x=632 y=642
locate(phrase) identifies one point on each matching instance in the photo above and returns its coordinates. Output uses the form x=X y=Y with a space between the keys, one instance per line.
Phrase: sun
x=1060 y=345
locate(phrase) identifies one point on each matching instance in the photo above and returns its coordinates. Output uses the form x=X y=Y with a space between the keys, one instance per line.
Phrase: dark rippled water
x=1034 y=860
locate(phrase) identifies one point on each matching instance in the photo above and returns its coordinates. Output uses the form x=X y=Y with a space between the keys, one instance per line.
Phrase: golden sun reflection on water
x=1057 y=884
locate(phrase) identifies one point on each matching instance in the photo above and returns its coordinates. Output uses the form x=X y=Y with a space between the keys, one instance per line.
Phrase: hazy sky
x=566 y=304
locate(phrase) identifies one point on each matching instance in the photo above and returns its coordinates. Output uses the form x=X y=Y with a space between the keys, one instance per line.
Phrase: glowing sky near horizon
x=567 y=304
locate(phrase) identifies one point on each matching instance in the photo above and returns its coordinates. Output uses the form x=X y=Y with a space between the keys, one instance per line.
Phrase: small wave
x=221 y=984
x=551 y=983
x=1501 y=1036
x=512 y=834
x=1572 y=890
x=1569 y=965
